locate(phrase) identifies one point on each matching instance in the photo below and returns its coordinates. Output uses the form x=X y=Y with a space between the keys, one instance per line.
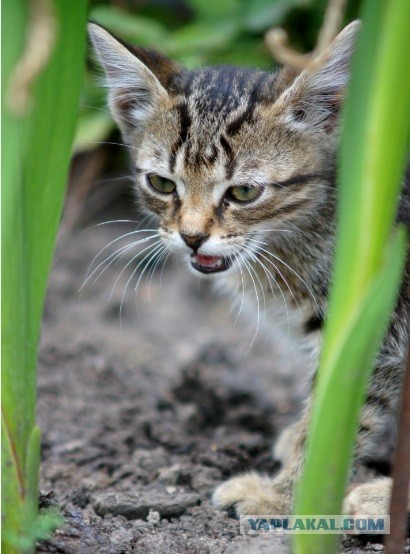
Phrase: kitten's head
x=224 y=153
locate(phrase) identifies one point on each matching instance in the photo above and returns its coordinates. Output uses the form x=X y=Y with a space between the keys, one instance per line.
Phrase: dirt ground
x=142 y=418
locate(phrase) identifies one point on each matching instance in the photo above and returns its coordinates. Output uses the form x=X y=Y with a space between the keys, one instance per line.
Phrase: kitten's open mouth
x=210 y=264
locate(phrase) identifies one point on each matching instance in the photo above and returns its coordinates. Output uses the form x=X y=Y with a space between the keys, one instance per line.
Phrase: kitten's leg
x=371 y=498
x=255 y=494
x=377 y=416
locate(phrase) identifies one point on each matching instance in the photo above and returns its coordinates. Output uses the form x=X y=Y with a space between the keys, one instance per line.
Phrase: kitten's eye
x=244 y=193
x=161 y=184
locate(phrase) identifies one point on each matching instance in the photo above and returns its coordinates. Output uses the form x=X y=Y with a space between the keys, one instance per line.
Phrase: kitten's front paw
x=369 y=499
x=250 y=494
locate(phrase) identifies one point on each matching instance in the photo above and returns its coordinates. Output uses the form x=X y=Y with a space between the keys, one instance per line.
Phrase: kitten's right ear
x=314 y=98
x=136 y=78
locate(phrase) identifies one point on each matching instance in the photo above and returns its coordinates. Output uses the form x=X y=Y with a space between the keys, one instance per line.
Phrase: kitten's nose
x=194 y=241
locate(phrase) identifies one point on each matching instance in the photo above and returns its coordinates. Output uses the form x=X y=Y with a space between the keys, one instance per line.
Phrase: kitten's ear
x=316 y=95
x=137 y=78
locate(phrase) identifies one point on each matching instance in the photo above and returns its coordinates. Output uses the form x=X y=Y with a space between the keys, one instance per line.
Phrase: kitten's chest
x=279 y=314
x=287 y=321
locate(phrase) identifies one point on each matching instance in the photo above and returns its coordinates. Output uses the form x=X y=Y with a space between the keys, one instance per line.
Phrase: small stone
x=122 y=539
x=150 y=460
x=171 y=490
x=153 y=517
x=170 y=474
x=205 y=479
x=137 y=505
x=141 y=525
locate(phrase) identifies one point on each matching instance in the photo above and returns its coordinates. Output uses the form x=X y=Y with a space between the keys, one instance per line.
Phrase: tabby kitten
x=239 y=166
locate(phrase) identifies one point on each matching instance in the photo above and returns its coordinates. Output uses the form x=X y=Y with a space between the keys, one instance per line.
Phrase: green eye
x=161 y=184
x=244 y=193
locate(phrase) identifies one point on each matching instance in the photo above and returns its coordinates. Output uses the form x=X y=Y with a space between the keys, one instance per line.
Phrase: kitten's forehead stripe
x=185 y=120
x=172 y=158
x=230 y=165
x=223 y=89
x=247 y=116
x=213 y=155
x=212 y=105
x=185 y=123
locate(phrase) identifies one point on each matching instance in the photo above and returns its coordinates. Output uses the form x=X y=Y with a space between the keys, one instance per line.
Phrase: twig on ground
x=401 y=473
x=278 y=43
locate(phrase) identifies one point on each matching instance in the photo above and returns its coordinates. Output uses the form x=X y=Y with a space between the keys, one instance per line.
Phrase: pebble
x=154 y=517
x=138 y=505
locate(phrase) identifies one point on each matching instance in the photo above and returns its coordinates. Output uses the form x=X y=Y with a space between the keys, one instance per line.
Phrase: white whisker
x=294 y=272
x=114 y=257
x=151 y=255
x=271 y=229
x=130 y=262
x=243 y=288
x=106 y=111
x=156 y=247
x=162 y=269
x=257 y=302
x=267 y=272
x=107 y=142
x=115 y=221
x=112 y=179
x=258 y=251
x=161 y=255
x=260 y=285
x=113 y=242
x=127 y=246
x=255 y=255
x=237 y=279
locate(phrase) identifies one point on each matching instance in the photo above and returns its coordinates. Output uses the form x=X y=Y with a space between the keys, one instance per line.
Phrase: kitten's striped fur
x=219 y=127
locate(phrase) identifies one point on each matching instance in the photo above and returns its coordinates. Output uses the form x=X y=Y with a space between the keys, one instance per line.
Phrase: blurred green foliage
x=196 y=33
x=36 y=154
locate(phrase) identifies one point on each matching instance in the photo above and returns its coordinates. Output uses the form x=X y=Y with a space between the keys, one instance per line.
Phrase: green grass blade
x=36 y=152
x=342 y=394
x=377 y=123
x=13 y=312
x=31 y=474
x=373 y=150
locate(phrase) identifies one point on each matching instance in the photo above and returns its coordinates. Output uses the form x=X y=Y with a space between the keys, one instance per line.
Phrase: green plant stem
x=37 y=140
x=366 y=276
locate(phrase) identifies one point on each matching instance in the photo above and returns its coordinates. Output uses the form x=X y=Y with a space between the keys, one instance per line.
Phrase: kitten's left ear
x=137 y=78
x=315 y=96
